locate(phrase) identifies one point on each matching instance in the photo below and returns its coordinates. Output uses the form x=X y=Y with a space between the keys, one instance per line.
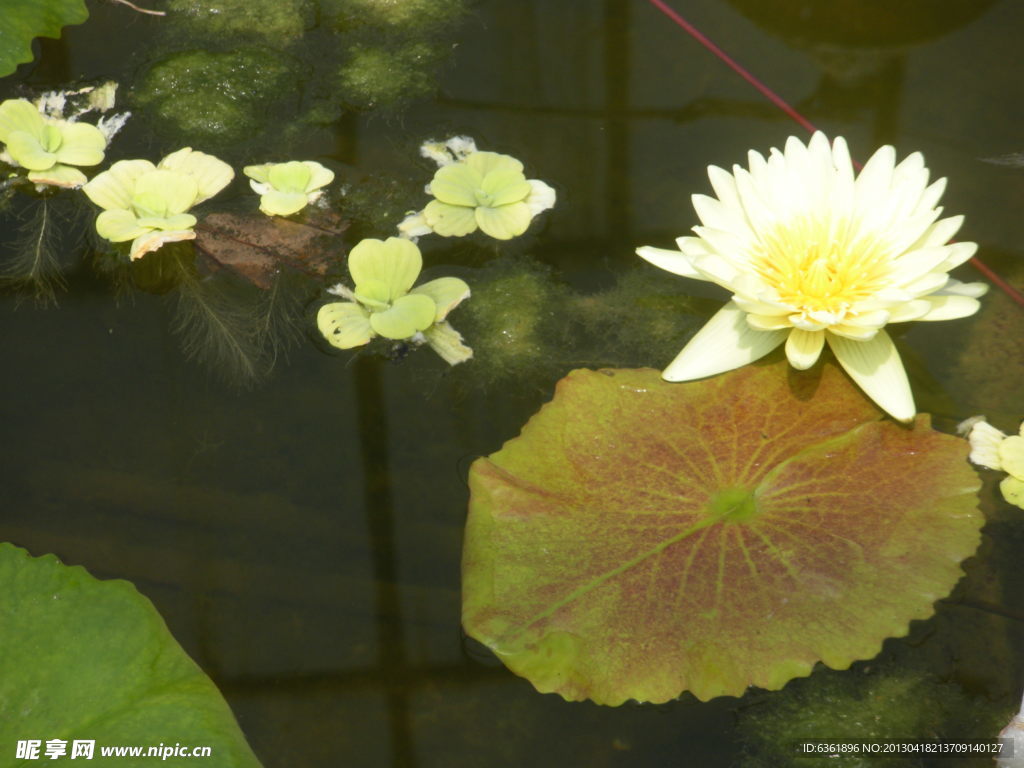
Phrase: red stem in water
x=782 y=104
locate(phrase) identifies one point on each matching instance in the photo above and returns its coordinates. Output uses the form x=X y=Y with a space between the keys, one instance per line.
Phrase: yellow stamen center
x=820 y=266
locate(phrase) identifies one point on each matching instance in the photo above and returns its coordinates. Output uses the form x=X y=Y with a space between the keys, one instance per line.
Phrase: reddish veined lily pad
x=640 y=538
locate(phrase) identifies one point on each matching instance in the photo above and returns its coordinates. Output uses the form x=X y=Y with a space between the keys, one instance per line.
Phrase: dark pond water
x=301 y=534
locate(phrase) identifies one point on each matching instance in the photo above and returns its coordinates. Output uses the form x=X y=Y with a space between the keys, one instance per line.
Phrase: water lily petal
x=210 y=173
x=956 y=288
x=727 y=341
x=456 y=184
x=484 y=163
x=59 y=176
x=505 y=222
x=113 y=188
x=153 y=241
x=293 y=176
x=175 y=191
x=910 y=310
x=449 y=220
x=671 y=261
x=541 y=197
x=803 y=348
x=396 y=262
x=27 y=152
x=876 y=367
x=950 y=307
x=505 y=186
x=119 y=226
x=1011 y=455
x=407 y=316
x=82 y=144
x=276 y=203
x=766 y=322
x=20 y=115
x=446 y=292
x=345 y=325
x=1013 y=490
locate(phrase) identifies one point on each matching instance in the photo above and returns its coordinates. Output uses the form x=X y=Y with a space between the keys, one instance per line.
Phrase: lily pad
x=641 y=538
x=23 y=20
x=90 y=660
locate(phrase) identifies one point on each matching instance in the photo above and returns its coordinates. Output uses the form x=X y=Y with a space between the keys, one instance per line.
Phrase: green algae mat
x=641 y=538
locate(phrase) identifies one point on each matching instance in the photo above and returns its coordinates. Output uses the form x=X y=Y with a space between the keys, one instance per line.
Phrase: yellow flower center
x=818 y=265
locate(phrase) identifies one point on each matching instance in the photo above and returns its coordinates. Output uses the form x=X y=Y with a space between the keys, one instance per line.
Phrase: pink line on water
x=782 y=104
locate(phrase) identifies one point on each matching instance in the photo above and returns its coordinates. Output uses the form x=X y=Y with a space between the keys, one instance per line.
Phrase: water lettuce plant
x=642 y=538
x=92 y=661
x=49 y=148
x=287 y=188
x=385 y=303
x=994 y=449
x=812 y=254
x=148 y=204
x=477 y=190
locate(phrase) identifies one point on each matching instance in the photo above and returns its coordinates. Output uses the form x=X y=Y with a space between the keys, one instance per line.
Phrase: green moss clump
x=215 y=98
x=381 y=76
x=421 y=15
x=273 y=21
x=643 y=320
x=509 y=320
x=873 y=703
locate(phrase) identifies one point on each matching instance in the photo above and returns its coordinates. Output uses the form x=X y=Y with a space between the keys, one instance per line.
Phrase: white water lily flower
x=993 y=449
x=287 y=188
x=813 y=254
x=384 y=302
x=49 y=147
x=148 y=204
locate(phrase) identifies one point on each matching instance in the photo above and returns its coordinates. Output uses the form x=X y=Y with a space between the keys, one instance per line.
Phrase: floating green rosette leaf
x=23 y=20
x=82 y=659
x=641 y=538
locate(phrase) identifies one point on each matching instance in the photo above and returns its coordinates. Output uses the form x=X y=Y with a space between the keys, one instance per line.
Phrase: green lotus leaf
x=112 y=189
x=505 y=186
x=492 y=162
x=119 y=226
x=27 y=151
x=23 y=20
x=456 y=184
x=505 y=222
x=84 y=659
x=407 y=316
x=176 y=221
x=447 y=293
x=290 y=177
x=642 y=538
x=344 y=324
x=276 y=203
x=396 y=262
x=20 y=115
x=449 y=220
x=81 y=144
